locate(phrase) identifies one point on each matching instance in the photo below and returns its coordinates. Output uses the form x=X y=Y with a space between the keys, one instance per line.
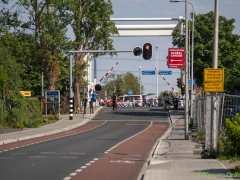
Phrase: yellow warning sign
x=213 y=87
x=25 y=93
x=213 y=75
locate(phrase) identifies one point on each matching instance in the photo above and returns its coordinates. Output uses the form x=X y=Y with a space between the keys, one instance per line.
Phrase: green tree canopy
x=228 y=53
x=121 y=83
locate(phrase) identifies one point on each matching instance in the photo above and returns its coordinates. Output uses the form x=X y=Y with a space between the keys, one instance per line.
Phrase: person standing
x=114 y=100
x=91 y=106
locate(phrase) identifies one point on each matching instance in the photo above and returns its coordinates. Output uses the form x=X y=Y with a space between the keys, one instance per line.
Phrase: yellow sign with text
x=213 y=75
x=26 y=93
x=213 y=87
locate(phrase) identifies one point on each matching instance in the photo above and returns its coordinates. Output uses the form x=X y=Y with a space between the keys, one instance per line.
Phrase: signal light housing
x=147 y=51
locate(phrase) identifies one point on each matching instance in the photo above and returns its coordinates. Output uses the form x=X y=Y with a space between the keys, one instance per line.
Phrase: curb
x=85 y=120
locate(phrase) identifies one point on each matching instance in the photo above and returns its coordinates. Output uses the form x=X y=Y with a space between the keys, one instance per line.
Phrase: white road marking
x=68 y=157
x=88 y=164
x=132 y=159
x=83 y=167
x=120 y=161
x=78 y=170
x=18 y=153
x=76 y=153
x=7 y=158
x=67 y=178
x=136 y=124
x=47 y=152
x=36 y=156
x=73 y=174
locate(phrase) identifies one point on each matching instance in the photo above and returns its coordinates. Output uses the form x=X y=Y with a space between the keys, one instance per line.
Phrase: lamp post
x=140 y=80
x=156 y=72
x=186 y=67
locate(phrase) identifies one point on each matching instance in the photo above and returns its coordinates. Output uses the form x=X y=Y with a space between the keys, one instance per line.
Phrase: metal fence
x=214 y=106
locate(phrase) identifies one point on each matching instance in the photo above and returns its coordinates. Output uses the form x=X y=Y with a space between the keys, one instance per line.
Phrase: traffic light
x=183 y=89
x=179 y=82
x=98 y=87
x=147 y=51
x=137 y=51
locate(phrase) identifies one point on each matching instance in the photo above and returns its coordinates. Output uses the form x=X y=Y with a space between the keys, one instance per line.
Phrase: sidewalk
x=62 y=125
x=173 y=158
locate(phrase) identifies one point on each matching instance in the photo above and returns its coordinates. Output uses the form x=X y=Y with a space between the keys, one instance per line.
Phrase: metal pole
x=140 y=80
x=192 y=60
x=186 y=70
x=156 y=72
x=42 y=86
x=70 y=89
x=95 y=71
x=215 y=65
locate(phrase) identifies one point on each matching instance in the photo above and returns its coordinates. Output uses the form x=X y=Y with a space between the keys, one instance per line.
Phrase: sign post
x=52 y=101
x=175 y=57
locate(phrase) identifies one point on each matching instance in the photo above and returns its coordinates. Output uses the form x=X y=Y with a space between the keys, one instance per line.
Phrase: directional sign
x=194 y=82
x=165 y=72
x=148 y=72
x=175 y=57
x=130 y=92
x=213 y=75
x=213 y=87
x=53 y=94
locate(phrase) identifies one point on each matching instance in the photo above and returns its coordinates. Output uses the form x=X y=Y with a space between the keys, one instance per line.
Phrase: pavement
x=172 y=158
x=63 y=124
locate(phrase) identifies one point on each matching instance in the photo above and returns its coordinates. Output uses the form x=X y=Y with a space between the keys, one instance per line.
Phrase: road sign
x=213 y=87
x=213 y=75
x=25 y=93
x=53 y=94
x=148 y=72
x=194 y=82
x=130 y=92
x=165 y=72
x=175 y=57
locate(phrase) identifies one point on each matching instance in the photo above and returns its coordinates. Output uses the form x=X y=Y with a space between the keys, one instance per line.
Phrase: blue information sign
x=194 y=82
x=52 y=94
x=130 y=92
x=148 y=72
x=165 y=72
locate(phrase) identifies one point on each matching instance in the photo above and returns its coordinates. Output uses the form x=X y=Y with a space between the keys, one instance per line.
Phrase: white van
x=129 y=98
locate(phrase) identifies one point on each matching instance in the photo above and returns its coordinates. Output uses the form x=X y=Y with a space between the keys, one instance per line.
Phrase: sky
x=127 y=62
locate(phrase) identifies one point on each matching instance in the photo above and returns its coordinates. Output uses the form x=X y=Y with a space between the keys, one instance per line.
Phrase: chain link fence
x=211 y=112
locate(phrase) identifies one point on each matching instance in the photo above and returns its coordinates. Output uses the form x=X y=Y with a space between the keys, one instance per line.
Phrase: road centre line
x=47 y=152
x=76 y=153
x=36 y=156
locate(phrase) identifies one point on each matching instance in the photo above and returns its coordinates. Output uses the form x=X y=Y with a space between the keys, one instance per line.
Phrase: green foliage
x=229 y=140
x=171 y=94
x=200 y=135
x=228 y=53
x=122 y=83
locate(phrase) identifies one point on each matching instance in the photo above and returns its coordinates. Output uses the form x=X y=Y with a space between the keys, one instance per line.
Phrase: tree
x=228 y=53
x=92 y=28
x=171 y=94
x=121 y=83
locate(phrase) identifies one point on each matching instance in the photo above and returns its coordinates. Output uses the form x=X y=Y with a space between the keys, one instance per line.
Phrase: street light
x=156 y=72
x=140 y=80
x=186 y=67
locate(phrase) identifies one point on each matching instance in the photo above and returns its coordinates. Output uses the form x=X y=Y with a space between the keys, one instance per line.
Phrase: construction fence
x=210 y=113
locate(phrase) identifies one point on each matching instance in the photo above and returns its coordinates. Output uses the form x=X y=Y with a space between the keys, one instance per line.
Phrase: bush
x=229 y=140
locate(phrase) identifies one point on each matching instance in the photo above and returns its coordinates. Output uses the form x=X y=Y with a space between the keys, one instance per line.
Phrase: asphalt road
x=75 y=155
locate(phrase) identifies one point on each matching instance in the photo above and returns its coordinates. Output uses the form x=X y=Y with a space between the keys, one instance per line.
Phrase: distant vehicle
x=129 y=98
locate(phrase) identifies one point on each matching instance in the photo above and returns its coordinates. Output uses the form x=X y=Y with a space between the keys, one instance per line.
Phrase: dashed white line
x=83 y=167
x=18 y=153
x=47 y=152
x=73 y=174
x=36 y=156
x=68 y=157
x=67 y=178
x=77 y=153
x=7 y=158
x=78 y=170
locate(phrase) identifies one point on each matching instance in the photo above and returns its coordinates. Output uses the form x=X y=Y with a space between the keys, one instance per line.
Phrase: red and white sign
x=175 y=57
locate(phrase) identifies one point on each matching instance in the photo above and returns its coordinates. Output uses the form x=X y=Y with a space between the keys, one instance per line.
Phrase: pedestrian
x=114 y=99
x=91 y=106
x=133 y=102
x=84 y=105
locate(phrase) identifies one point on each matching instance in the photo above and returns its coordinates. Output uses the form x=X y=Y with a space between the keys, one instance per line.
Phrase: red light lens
x=147 y=47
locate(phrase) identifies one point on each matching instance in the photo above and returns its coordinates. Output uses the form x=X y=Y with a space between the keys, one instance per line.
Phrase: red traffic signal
x=183 y=89
x=179 y=82
x=147 y=51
